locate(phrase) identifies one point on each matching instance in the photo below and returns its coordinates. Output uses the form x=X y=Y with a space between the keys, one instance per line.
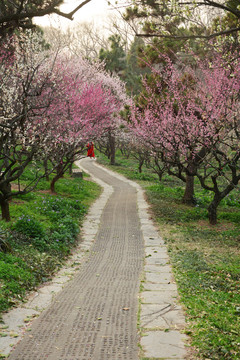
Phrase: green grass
x=127 y=167
x=205 y=260
x=43 y=230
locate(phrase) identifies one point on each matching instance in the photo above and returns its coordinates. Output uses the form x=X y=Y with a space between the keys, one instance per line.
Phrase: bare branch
x=208 y=37
x=70 y=15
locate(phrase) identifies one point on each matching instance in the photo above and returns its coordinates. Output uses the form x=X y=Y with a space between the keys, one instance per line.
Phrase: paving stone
x=65 y=272
x=159 y=278
x=159 y=297
x=41 y=299
x=158 y=268
x=153 y=242
x=148 y=227
x=157 y=252
x=158 y=287
x=164 y=316
x=89 y=239
x=86 y=247
x=156 y=261
x=166 y=345
x=7 y=344
x=15 y=319
x=144 y=216
x=91 y=231
x=145 y=221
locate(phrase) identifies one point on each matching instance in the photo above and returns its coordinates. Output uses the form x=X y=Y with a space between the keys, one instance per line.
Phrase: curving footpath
x=95 y=315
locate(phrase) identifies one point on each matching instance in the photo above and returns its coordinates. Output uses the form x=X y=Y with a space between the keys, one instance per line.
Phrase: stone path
x=95 y=315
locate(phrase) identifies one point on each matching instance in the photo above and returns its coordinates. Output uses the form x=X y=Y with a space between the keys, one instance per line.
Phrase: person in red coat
x=90 y=150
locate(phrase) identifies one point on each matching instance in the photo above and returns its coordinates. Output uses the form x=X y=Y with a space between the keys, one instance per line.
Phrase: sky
x=95 y=10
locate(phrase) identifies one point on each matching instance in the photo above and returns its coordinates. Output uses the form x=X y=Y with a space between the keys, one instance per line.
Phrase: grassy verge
x=43 y=230
x=205 y=260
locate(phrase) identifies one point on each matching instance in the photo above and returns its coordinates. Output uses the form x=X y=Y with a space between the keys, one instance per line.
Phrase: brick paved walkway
x=95 y=315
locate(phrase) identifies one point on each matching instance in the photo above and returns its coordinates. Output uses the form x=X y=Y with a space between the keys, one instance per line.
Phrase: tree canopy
x=162 y=19
x=19 y=13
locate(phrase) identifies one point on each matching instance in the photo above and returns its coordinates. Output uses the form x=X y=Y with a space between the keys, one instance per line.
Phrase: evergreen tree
x=127 y=65
x=115 y=57
x=18 y=14
x=162 y=18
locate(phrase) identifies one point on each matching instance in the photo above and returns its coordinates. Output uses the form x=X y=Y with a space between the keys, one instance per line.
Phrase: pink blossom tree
x=21 y=60
x=49 y=107
x=113 y=130
x=84 y=108
x=191 y=120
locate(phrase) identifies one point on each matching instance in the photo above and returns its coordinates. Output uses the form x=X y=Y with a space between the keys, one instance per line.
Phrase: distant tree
x=134 y=67
x=115 y=24
x=140 y=152
x=114 y=57
x=84 y=39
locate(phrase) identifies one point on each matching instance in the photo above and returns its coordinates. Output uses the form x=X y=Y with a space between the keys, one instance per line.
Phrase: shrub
x=29 y=227
x=41 y=265
x=65 y=231
x=234 y=217
x=4 y=244
x=16 y=279
x=57 y=207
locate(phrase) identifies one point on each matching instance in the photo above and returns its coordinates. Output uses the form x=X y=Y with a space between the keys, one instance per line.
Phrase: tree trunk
x=45 y=164
x=53 y=182
x=212 y=214
x=71 y=169
x=58 y=176
x=5 y=210
x=160 y=175
x=188 y=197
x=212 y=209
x=4 y=201
x=112 y=149
x=140 y=165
